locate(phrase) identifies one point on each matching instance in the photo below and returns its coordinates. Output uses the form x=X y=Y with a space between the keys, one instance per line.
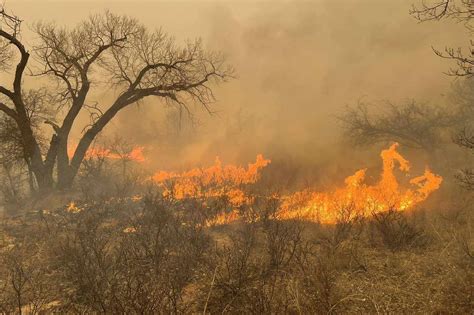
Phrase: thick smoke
x=298 y=64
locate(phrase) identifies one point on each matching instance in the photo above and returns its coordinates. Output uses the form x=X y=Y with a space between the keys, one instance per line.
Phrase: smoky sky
x=298 y=64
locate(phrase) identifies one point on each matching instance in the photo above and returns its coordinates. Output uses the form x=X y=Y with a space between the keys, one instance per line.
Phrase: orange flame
x=355 y=199
x=214 y=181
x=359 y=199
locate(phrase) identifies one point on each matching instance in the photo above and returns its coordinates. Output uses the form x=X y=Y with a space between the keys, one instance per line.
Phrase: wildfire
x=356 y=198
x=215 y=181
x=359 y=199
x=135 y=154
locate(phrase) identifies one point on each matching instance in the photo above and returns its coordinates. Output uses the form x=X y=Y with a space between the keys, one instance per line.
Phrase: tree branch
x=8 y=111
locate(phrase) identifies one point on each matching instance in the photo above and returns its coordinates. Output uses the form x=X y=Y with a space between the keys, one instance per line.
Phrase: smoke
x=298 y=64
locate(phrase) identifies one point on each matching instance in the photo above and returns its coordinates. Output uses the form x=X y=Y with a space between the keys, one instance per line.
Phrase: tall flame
x=359 y=199
x=354 y=199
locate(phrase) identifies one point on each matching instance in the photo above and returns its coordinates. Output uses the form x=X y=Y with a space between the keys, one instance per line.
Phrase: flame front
x=214 y=181
x=359 y=199
x=354 y=199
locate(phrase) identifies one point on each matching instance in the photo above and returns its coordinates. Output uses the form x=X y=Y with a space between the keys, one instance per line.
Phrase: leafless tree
x=461 y=11
x=412 y=124
x=465 y=139
x=136 y=62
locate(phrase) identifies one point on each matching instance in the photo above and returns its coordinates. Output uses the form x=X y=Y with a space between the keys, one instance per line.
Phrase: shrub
x=394 y=230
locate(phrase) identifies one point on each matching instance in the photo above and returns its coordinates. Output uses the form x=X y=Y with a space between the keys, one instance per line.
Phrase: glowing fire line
x=360 y=199
x=356 y=198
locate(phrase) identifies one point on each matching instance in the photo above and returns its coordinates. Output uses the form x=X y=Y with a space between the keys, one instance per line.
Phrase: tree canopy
x=105 y=51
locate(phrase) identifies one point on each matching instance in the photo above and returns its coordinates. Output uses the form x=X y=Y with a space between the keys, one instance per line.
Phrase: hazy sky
x=299 y=63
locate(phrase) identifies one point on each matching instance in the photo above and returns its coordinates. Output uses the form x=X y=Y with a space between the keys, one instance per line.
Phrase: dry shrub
x=393 y=229
x=155 y=256
x=25 y=273
x=457 y=293
x=273 y=266
x=252 y=272
x=140 y=263
x=342 y=242
x=100 y=178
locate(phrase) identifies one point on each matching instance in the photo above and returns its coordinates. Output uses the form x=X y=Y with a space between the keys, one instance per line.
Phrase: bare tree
x=136 y=62
x=465 y=139
x=461 y=11
x=412 y=124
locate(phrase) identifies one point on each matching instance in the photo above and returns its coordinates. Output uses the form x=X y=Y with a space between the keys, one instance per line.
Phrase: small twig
x=210 y=290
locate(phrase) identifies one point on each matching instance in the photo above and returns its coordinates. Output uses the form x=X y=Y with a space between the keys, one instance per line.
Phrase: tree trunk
x=68 y=171
x=44 y=179
x=66 y=176
x=31 y=178
x=42 y=174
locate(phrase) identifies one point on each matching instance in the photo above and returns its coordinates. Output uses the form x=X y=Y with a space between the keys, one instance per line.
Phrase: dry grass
x=152 y=256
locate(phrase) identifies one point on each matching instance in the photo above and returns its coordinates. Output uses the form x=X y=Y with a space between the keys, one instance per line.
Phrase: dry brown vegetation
x=154 y=256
